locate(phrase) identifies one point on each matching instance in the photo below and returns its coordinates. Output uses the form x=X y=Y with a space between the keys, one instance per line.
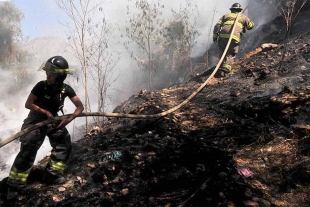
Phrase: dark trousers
x=30 y=144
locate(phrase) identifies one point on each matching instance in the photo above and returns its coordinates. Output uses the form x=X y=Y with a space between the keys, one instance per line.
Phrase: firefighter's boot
x=51 y=179
x=222 y=73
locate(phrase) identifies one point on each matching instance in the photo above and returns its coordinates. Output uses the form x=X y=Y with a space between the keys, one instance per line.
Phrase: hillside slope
x=242 y=141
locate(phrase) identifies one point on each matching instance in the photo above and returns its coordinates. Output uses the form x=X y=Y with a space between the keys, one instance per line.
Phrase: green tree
x=11 y=36
x=182 y=32
x=174 y=45
x=145 y=30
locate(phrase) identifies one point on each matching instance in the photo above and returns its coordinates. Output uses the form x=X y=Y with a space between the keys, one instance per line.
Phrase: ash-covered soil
x=242 y=141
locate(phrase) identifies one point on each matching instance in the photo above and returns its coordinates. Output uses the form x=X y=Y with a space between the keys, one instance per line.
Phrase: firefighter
x=221 y=34
x=45 y=100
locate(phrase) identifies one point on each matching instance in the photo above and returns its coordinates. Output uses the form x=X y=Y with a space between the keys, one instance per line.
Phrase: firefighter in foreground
x=221 y=34
x=45 y=100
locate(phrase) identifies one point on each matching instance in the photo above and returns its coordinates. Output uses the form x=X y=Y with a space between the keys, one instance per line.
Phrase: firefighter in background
x=45 y=100
x=221 y=34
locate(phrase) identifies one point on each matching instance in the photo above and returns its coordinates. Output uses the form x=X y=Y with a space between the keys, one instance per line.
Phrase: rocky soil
x=242 y=141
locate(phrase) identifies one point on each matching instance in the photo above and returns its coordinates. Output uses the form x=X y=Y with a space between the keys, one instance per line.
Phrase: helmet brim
x=47 y=66
x=236 y=8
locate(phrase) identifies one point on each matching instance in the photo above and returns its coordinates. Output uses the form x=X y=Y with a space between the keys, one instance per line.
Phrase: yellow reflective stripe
x=229 y=22
x=236 y=8
x=233 y=15
x=228 y=35
x=61 y=70
x=232 y=22
x=63 y=88
x=18 y=176
x=228 y=67
x=251 y=25
x=58 y=165
x=215 y=35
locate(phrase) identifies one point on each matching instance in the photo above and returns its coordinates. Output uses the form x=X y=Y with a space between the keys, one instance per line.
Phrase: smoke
x=16 y=84
x=53 y=22
x=15 y=87
x=47 y=28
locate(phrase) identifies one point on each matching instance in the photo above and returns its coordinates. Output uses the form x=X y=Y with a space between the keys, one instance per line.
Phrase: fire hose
x=123 y=115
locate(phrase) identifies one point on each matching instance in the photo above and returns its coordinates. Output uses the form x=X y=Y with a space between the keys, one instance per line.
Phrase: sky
x=44 y=18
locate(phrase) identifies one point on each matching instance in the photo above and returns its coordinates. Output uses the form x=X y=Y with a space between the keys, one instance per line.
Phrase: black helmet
x=57 y=65
x=236 y=6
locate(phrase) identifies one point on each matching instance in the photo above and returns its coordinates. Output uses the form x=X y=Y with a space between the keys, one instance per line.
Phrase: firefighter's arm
x=78 y=110
x=249 y=24
x=32 y=106
x=79 y=107
x=216 y=30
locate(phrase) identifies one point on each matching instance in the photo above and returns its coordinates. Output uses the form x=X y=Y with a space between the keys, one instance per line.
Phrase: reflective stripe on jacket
x=224 y=26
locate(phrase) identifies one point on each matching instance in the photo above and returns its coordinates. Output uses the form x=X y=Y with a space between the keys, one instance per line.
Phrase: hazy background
x=44 y=27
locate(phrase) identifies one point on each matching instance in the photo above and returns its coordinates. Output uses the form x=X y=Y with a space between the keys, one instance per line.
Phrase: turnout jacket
x=224 y=26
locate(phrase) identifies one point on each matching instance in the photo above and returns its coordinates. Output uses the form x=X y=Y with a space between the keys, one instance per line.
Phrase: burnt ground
x=256 y=120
